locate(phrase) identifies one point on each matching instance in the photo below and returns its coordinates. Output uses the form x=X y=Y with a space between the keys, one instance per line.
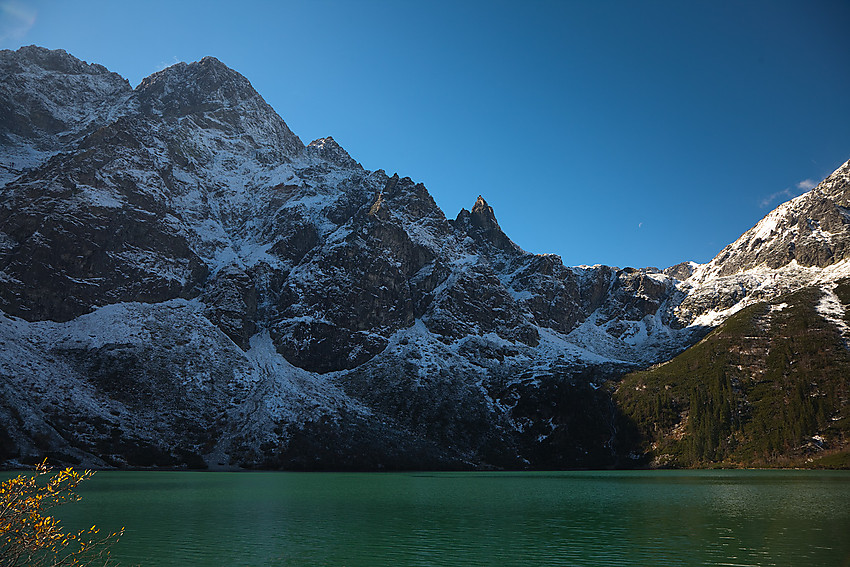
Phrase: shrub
x=29 y=536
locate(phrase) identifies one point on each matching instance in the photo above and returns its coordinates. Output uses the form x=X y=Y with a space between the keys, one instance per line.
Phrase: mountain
x=802 y=241
x=768 y=387
x=184 y=282
x=49 y=100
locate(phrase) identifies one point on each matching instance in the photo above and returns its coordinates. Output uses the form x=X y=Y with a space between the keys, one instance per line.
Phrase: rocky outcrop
x=481 y=225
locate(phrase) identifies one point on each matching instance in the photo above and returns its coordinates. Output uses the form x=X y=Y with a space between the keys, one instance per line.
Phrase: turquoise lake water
x=731 y=518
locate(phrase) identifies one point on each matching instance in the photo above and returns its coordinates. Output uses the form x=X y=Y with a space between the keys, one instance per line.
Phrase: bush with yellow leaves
x=28 y=536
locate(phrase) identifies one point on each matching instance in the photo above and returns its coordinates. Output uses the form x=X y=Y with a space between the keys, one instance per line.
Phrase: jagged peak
x=56 y=60
x=329 y=150
x=49 y=98
x=326 y=142
x=36 y=52
x=480 y=223
x=209 y=60
x=209 y=85
x=209 y=73
x=187 y=88
x=482 y=215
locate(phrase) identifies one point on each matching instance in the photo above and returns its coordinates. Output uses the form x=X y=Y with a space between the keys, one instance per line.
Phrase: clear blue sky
x=619 y=132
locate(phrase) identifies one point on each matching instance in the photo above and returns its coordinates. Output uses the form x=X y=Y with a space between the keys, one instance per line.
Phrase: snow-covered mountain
x=184 y=282
x=802 y=242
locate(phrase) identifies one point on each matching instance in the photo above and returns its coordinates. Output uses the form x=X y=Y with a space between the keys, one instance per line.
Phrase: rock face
x=185 y=283
x=48 y=100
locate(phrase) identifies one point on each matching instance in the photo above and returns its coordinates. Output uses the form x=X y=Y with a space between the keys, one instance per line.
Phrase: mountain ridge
x=212 y=292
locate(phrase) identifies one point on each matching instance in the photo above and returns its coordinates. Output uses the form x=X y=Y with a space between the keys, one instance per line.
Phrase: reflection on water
x=572 y=518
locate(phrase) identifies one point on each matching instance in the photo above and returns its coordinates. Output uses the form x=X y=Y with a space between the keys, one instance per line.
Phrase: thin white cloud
x=806 y=184
x=783 y=195
x=788 y=193
x=15 y=21
x=165 y=65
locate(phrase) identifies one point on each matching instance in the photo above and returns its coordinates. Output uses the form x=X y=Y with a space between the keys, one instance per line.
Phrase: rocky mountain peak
x=812 y=230
x=42 y=91
x=187 y=88
x=682 y=270
x=483 y=216
x=482 y=226
x=217 y=97
x=48 y=99
x=56 y=60
x=328 y=149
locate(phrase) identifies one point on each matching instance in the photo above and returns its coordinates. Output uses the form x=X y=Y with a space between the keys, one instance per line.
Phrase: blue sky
x=619 y=132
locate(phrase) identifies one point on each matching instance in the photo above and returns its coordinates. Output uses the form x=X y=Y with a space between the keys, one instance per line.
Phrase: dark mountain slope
x=768 y=387
x=48 y=100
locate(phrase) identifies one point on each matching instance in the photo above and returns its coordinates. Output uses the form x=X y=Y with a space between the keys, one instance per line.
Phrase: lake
x=785 y=518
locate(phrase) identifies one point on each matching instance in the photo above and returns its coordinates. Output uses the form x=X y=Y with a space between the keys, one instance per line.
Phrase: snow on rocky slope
x=184 y=282
x=804 y=241
x=47 y=100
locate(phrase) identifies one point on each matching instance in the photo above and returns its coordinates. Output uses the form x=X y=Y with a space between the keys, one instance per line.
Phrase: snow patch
x=831 y=309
